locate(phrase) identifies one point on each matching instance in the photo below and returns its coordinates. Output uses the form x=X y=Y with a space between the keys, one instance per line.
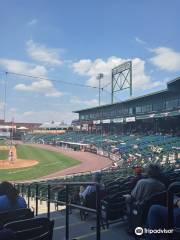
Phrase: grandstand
x=152 y=113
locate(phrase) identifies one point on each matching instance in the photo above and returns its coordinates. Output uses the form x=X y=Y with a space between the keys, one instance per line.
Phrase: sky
x=74 y=41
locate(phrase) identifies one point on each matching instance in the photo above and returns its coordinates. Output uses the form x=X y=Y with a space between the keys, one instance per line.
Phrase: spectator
x=9 y=198
x=114 y=165
x=96 y=177
x=138 y=176
x=145 y=188
x=157 y=219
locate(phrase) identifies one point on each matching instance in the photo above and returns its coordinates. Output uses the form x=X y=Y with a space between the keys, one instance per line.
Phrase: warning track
x=89 y=161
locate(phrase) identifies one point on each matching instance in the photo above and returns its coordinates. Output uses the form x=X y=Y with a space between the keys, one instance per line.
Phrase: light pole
x=99 y=77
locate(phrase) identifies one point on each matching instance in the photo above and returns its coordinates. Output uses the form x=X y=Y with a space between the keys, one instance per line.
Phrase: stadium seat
x=138 y=212
x=32 y=229
x=174 y=188
x=15 y=215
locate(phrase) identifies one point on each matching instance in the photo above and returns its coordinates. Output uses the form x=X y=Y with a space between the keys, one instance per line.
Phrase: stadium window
x=147 y=108
x=82 y=117
x=157 y=106
x=91 y=115
x=126 y=111
x=138 y=109
x=131 y=111
x=170 y=104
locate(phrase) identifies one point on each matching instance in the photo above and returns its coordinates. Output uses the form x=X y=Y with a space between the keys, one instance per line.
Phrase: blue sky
x=74 y=41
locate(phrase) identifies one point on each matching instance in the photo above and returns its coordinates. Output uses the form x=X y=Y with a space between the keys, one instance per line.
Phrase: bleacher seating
x=15 y=215
x=132 y=149
x=32 y=229
x=113 y=205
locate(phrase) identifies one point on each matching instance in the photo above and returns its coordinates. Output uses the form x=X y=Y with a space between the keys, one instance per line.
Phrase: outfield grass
x=49 y=162
x=4 y=154
x=2 y=142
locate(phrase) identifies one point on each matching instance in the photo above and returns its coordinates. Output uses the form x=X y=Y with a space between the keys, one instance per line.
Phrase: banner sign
x=96 y=122
x=118 y=120
x=130 y=119
x=106 y=121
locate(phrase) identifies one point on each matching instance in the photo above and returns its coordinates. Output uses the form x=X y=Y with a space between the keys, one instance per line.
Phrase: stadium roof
x=173 y=84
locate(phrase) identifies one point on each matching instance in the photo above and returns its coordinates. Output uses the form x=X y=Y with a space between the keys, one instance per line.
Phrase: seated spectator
x=157 y=219
x=146 y=187
x=96 y=177
x=9 y=198
x=143 y=190
x=114 y=165
x=138 y=176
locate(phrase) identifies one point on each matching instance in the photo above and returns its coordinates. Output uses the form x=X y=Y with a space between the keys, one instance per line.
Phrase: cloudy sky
x=73 y=41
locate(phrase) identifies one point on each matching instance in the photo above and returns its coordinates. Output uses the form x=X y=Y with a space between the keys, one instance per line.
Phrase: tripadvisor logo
x=140 y=231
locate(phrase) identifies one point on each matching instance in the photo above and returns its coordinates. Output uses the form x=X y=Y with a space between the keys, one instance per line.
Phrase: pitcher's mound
x=18 y=163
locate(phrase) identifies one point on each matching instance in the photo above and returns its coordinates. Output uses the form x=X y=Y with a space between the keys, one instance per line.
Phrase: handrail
x=49 y=188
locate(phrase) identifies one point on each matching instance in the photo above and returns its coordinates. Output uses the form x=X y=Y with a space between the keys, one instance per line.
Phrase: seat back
x=90 y=200
x=32 y=229
x=114 y=209
x=15 y=215
x=138 y=212
x=173 y=189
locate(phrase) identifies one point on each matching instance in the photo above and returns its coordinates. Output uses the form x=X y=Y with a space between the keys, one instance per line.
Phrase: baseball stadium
x=49 y=161
x=96 y=156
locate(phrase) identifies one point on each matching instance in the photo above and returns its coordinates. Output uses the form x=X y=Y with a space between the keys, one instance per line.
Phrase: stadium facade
x=160 y=108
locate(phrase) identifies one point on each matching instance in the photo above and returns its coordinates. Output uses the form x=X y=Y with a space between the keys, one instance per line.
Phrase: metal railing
x=26 y=188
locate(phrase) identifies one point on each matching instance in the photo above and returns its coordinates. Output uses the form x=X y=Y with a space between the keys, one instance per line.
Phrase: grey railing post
x=37 y=197
x=67 y=212
x=49 y=199
x=98 y=214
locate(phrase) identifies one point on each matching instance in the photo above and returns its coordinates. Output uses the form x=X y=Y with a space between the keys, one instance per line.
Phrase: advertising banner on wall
x=96 y=122
x=130 y=119
x=118 y=120
x=106 y=121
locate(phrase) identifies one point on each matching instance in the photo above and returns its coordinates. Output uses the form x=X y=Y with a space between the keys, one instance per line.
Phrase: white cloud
x=17 y=66
x=43 y=54
x=46 y=116
x=138 y=40
x=32 y=22
x=82 y=66
x=89 y=68
x=166 y=59
x=43 y=86
x=89 y=103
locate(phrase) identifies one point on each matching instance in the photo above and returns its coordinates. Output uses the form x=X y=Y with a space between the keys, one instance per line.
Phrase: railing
x=27 y=188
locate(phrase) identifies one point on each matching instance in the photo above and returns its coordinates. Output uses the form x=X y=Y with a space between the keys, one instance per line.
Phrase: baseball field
x=47 y=162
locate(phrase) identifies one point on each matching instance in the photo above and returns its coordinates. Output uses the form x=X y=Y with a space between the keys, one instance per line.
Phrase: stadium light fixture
x=99 y=77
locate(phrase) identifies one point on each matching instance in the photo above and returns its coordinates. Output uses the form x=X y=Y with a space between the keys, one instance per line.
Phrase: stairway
x=81 y=230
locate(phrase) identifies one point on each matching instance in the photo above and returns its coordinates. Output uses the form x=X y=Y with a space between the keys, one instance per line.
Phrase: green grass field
x=4 y=154
x=2 y=142
x=49 y=162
